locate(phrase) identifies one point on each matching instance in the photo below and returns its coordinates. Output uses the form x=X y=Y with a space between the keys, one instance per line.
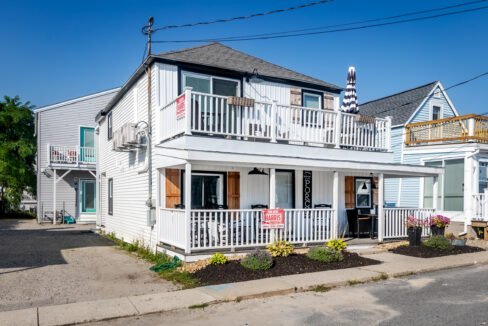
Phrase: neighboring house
x=66 y=158
x=428 y=130
x=232 y=135
x=28 y=202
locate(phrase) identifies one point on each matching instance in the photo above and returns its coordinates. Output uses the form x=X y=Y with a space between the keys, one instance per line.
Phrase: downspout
x=97 y=177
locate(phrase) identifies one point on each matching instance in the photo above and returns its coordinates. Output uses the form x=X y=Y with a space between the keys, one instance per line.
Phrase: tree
x=17 y=151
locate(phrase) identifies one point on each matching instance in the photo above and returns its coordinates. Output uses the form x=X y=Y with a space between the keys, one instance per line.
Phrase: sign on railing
x=180 y=107
x=273 y=218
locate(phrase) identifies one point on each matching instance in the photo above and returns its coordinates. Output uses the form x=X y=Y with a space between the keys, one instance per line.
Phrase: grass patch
x=198 y=306
x=354 y=282
x=322 y=288
x=381 y=277
x=144 y=252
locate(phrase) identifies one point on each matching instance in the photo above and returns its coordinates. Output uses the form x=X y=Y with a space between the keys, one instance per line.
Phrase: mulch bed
x=427 y=252
x=293 y=264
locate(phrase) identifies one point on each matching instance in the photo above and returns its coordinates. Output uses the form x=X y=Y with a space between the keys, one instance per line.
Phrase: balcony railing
x=199 y=113
x=71 y=155
x=462 y=129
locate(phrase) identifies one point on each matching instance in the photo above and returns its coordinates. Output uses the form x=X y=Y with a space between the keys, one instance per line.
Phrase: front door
x=87 y=196
x=207 y=191
x=87 y=144
x=285 y=189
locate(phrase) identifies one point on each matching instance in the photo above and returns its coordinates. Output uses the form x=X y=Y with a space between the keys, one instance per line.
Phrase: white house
x=231 y=135
x=427 y=130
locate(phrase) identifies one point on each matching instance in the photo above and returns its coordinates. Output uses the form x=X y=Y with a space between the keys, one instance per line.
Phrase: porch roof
x=390 y=170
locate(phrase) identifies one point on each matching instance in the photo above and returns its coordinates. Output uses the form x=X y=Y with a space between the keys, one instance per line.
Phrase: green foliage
x=337 y=244
x=17 y=152
x=218 y=259
x=258 y=260
x=325 y=254
x=438 y=242
x=280 y=248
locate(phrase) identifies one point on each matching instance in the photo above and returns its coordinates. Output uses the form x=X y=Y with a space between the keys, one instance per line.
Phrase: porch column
x=435 y=193
x=54 y=196
x=335 y=205
x=381 y=204
x=188 y=110
x=188 y=207
x=272 y=188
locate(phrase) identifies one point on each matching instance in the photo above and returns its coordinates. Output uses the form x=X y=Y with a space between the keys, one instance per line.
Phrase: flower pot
x=458 y=242
x=435 y=230
x=414 y=236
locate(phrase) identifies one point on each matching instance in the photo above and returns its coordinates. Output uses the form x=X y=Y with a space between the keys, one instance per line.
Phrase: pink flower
x=439 y=220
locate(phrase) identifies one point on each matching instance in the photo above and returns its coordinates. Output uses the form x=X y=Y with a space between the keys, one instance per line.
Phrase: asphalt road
x=451 y=297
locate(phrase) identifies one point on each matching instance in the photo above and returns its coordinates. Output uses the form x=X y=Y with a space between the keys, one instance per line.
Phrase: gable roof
x=400 y=106
x=221 y=56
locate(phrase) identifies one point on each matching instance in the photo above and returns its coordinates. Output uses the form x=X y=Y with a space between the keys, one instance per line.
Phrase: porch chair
x=259 y=206
x=352 y=220
x=180 y=206
x=364 y=217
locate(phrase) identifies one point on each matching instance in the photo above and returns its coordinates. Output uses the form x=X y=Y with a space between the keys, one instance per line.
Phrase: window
x=110 y=196
x=109 y=125
x=211 y=85
x=311 y=100
x=285 y=189
x=436 y=112
x=450 y=186
x=483 y=179
x=207 y=190
x=363 y=193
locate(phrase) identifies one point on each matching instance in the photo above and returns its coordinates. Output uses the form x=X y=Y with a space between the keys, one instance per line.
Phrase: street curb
x=210 y=295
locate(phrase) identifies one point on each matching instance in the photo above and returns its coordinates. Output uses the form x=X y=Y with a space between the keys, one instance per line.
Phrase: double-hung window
x=109 y=125
x=312 y=100
x=110 y=196
x=436 y=112
x=363 y=193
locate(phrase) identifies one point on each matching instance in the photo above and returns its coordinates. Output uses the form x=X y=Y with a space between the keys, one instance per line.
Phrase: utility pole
x=149 y=203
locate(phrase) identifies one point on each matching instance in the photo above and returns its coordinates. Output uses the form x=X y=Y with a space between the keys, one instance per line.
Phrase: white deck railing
x=227 y=229
x=395 y=219
x=71 y=155
x=194 y=112
x=480 y=210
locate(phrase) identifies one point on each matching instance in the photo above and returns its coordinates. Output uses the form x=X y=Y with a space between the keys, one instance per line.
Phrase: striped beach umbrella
x=350 y=100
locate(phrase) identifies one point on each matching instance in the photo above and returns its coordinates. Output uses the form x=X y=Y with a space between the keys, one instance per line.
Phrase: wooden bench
x=481 y=229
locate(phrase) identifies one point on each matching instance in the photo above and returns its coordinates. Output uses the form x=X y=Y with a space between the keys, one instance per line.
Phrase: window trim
x=110 y=196
x=203 y=172
x=371 y=200
x=109 y=126
x=436 y=105
x=320 y=95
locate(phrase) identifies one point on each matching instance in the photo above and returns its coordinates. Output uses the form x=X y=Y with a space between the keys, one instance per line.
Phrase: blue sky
x=57 y=50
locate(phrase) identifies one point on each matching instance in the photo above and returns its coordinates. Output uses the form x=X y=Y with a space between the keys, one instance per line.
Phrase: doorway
x=87 y=196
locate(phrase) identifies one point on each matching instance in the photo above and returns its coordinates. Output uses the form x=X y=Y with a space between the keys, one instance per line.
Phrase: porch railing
x=480 y=209
x=71 y=155
x=466 y=128
x=194 y=112
x=227 y=229
x=395 y=218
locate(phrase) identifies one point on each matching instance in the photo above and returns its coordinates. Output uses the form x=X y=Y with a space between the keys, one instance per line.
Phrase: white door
x=285 y=189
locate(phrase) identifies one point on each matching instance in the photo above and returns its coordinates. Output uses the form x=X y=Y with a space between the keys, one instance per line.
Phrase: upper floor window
x=436 y=112
x=211 y=85
x=109 y=125
x=311 y=100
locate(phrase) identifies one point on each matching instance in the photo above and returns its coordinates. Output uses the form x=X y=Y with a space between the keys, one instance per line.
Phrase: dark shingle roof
x=399 y=106
x=221 y=56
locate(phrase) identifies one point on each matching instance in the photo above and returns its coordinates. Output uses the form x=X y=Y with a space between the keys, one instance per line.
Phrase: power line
x=324 y=32
x=354 y=23
x=226 y=20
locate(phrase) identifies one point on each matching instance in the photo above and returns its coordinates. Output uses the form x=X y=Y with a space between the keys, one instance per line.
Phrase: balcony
x=194 y=113
x=71 y=156
x=463 y=129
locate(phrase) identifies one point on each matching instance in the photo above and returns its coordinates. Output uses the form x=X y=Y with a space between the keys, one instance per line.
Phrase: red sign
x=273 y=218
x=180 y=107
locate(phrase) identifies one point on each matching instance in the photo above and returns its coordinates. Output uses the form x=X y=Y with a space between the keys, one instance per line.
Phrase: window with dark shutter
x=110 y=196
x=109 y=126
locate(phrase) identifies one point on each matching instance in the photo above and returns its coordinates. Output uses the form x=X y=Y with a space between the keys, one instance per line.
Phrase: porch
x=71 y=156
x=247 y=119
x=222 y=208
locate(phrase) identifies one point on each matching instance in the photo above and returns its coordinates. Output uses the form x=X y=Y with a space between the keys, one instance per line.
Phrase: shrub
x=280 y=249
x=218 y=259
x=325 y=254
x=337 y=244
x=438 y=242
x=258 y=260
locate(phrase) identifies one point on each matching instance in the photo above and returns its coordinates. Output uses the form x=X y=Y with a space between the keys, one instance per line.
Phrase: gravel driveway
x=47 y=264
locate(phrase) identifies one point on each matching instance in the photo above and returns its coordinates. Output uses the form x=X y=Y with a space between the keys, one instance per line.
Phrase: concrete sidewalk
x=393 y=265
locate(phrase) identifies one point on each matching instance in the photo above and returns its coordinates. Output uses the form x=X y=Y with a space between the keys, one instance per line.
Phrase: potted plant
x=438 y=224
x=457 y=240
x=414 y=230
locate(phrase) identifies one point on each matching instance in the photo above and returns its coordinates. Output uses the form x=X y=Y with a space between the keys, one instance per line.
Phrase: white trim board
x=76 y=100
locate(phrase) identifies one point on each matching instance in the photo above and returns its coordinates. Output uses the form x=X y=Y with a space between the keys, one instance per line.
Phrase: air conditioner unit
x=130 y=134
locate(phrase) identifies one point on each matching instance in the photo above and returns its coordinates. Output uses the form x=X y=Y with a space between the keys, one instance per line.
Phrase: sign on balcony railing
x=180 y=107
x=273 y=218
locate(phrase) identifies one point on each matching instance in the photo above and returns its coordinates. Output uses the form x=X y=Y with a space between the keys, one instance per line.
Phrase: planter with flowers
x=438 y=224
x=414 y=230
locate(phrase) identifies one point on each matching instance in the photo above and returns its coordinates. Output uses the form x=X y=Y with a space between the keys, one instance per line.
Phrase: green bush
x=325 y=254
x=218 y=259
x=337 y=244
x=258 y=260
x=438 y=242
x=280 y=248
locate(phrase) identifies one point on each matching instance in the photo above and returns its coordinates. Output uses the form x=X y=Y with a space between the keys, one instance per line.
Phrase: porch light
x=256 y=171
x=255 y=77
x=364 y=187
